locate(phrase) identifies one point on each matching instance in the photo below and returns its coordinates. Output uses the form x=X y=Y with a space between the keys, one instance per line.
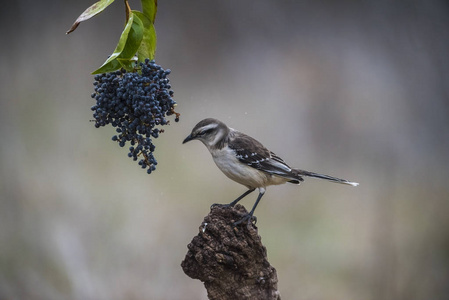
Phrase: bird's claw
x=250 y=219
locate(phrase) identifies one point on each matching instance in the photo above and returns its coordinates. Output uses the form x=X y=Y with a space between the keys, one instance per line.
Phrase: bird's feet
x=249 y=218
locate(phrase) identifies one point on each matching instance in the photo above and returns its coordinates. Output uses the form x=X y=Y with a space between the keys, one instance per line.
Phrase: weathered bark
x=230 y=260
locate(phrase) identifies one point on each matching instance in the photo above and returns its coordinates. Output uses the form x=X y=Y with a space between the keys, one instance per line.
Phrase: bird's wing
x=252 y=153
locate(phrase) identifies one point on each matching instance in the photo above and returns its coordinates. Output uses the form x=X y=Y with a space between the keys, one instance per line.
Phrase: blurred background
x=354 y=89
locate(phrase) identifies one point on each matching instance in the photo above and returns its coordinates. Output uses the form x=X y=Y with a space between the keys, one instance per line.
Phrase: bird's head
x=209 y=131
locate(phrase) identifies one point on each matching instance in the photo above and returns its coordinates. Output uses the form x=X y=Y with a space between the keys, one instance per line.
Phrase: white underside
x=250 y=177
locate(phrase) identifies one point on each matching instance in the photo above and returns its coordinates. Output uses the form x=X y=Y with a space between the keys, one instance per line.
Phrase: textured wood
x=230 y=260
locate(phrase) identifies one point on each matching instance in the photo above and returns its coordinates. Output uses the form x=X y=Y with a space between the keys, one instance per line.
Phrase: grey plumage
x=246 y=161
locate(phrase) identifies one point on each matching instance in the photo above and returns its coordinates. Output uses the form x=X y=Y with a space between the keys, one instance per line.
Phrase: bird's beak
x=188 y=139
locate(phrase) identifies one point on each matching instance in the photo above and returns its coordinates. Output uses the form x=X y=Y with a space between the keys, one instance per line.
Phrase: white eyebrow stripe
x=207 y=127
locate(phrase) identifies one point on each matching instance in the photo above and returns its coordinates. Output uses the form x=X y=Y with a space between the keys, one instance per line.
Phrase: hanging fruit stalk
x=132 y=92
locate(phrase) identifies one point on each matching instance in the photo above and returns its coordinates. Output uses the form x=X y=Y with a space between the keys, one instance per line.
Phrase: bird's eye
x=206 y=131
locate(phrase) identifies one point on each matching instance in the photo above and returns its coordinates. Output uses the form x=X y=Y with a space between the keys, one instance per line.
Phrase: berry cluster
x=135 y=102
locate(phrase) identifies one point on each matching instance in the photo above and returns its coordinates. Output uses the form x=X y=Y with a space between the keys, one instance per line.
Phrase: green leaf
x=129 y=43
x=147 y=48
x=109 y=66
x=127 y=64
x=111 y=63
x=134 y=39
x=149 y=9
x=90 y=12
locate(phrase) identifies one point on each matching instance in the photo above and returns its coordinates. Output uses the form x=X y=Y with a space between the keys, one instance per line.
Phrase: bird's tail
x=326 y=177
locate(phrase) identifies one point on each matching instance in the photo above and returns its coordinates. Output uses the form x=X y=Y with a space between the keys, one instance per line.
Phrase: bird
x=246 y=161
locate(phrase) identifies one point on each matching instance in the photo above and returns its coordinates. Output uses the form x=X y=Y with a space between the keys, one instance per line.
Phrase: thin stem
x=127 y=10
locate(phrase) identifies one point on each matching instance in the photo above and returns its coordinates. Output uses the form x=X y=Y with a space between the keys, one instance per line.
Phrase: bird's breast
x=228 y=163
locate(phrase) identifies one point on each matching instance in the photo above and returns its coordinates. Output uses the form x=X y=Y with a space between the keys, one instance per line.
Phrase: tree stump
x=230 y=260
